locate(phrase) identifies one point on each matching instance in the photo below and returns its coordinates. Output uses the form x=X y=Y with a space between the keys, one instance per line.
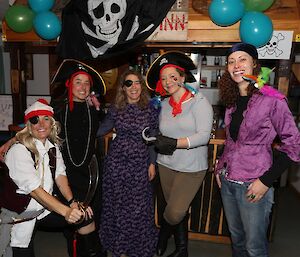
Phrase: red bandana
x=177 y=106
x=159 y=87
x=69 y=86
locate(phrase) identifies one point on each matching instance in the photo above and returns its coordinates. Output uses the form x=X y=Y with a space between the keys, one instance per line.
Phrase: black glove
x=165 y=145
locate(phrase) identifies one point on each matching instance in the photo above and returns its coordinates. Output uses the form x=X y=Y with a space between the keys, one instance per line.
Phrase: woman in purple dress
x=127 y=219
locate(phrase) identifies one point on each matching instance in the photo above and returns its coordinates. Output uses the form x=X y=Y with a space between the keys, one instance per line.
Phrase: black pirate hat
x=175 y=58
x=71 y=66
x=68 y=69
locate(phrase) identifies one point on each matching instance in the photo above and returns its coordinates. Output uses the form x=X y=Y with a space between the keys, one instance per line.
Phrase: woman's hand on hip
x=256 y=191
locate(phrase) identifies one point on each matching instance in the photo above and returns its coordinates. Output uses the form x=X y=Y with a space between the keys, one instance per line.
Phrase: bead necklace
x=89 y=136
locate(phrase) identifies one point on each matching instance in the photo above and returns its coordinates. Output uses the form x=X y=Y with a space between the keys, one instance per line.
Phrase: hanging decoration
x=102 y=29
x=258 y=5
x=37 y=15
x=47 y=25
x=226 y=12
x=19 y=18
x=41 y=5
x=255 y=28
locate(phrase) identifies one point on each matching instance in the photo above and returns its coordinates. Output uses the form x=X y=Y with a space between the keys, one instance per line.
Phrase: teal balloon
x=258 y=5
x=41 y=5
x=19 y=18
x=47 y=25
x=226 y=12
x=256 y=29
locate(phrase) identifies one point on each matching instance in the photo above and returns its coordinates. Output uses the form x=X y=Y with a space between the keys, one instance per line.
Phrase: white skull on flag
x=106 y=16
x=104 y=28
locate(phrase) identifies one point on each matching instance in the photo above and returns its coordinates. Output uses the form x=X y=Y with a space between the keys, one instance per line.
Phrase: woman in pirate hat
x=255 y=114
x=185 y=123
x=78 y=114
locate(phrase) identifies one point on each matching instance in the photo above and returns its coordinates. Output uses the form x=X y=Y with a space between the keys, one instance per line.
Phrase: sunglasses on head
x=129 y=83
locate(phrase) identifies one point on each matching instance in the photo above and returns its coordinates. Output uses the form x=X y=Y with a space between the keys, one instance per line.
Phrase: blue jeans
x=248 y=222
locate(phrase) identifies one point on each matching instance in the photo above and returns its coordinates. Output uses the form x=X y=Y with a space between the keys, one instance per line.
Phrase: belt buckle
x=236 y=181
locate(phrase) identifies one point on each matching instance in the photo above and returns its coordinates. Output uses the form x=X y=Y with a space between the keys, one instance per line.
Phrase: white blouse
x=23 y=172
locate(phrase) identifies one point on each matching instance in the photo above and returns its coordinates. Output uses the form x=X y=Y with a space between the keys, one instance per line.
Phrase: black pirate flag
x=102 y=28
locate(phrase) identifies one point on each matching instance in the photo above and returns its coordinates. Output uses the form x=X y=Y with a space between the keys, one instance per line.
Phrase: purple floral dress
x=127 y=219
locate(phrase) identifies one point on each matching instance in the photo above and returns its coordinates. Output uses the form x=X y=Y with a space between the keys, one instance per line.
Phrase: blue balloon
x=41 y=5
x=226 y=12
x=47 y=25
x=256 y=29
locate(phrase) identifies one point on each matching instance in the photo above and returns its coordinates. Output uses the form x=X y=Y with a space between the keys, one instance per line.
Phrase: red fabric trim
x=70 y=94
x=177 y=106
x=69 y=86
x=37 y=113
x=160 y=89
x=74 y=247
x=43 y=101
x=171 y=65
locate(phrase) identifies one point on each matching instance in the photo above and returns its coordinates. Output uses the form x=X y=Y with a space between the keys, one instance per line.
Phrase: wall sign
x=174 y=26
x=279 y=47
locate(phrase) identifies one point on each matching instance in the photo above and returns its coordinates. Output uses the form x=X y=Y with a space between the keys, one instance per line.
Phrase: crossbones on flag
x=103 y=28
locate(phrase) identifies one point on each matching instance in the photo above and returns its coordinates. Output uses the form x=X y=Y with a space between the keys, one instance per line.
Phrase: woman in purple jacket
x=255 y=114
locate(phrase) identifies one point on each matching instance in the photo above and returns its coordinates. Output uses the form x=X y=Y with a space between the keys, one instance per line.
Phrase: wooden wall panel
x=285 y=15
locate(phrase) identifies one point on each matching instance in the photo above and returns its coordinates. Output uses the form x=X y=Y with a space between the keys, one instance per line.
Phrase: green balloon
x=19 y=18
x=257 y=5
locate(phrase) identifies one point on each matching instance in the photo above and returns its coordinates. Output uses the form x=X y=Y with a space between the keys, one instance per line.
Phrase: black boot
x=69 y=234
x=89 y=245
x=164 y=234
x=181 y=239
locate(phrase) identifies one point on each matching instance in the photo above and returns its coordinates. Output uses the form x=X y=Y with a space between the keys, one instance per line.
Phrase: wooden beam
x=18 y=82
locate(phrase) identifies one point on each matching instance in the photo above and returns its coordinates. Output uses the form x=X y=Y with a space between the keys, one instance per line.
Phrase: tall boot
x=181 y=239
x=165 y=232
x=69 y=234
x=89 y=245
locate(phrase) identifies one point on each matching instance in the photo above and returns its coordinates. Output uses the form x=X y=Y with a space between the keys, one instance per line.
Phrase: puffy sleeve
x=108 y=123
x=22 y=169
x=285 y=126
x=203 y=116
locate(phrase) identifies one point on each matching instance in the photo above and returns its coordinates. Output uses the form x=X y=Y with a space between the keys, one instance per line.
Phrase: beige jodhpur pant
x=179 y=189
